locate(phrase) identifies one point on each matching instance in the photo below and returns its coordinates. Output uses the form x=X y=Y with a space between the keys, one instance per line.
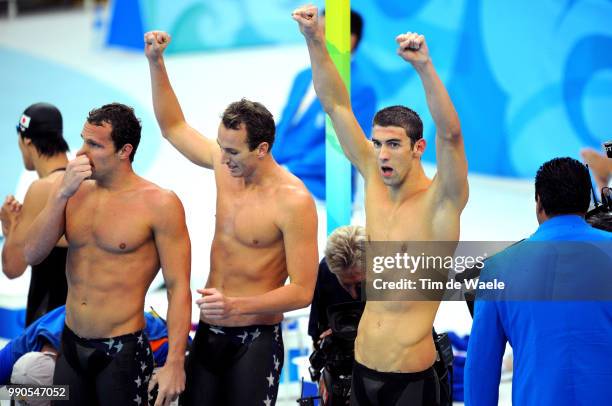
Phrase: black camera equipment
x=608 y=147
x=332 y=364
x=444 y=367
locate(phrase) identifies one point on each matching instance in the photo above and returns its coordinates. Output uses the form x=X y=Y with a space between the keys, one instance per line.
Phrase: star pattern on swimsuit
x=256 y=334
x=276 y=336
x=119 y=346
x=276 y=362
x=138 y=400
x=143 y=366
x=243 y=336
x=110 y=343
x=217 y=330
x=148 y=351
x=138 y=382
x=268 y=401
x=140 y=339
x=270 y=380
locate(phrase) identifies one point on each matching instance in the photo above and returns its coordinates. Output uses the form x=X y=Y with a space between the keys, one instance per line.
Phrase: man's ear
x=126 y=151
x=262 y=150
x=539 y=208
x=353 y=42
x=419 y=147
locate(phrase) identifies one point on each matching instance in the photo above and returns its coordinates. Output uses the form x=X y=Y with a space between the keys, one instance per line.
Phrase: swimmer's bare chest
x=114 y=224
x=248 y=251
x=409 y=220
x=111 y=245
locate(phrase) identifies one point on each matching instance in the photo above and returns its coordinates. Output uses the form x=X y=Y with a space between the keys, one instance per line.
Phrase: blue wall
x=531 y=79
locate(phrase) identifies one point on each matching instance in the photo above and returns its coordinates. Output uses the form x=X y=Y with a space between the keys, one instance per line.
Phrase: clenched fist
x=156 y=43
x=214 y=305
x=308 y=20
x=9 y=213
x=413 y=48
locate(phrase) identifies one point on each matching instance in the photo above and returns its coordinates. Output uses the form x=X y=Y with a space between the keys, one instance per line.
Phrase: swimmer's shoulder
x=157 y=197
x=293 y=198
x=45 y=185
x=40 y=187
x=290 y=185
x=37 y=194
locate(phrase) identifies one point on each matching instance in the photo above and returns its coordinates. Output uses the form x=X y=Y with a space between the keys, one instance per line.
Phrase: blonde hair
x=345 y=248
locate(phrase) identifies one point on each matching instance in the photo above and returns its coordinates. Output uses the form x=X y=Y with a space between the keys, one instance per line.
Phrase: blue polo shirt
x=562 y=349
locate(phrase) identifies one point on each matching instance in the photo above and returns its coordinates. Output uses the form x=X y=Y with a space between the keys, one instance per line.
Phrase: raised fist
x=156 y=43
x=308 y=20
x=412 y=48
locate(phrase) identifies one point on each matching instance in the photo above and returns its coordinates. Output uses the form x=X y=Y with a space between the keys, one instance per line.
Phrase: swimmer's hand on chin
x=214 y=305
x=77 y=171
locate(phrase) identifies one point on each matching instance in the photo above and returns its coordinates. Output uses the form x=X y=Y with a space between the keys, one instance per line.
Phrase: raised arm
x=331 y=91
x=450 y=151
x=195 y=147
x=174 y=248
x=49 y=225
x=18 y=222
x=299 y=227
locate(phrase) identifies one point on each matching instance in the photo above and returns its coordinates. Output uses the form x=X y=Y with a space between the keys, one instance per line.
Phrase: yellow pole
x=337 y=167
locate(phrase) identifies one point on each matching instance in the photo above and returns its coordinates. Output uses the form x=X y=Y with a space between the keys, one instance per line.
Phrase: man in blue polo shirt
x=561 y=348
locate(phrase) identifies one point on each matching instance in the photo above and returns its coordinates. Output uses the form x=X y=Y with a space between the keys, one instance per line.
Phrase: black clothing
x=104 y=371
x=328 y=291
x=48 y=286
x=234 y=366
x=373 y=388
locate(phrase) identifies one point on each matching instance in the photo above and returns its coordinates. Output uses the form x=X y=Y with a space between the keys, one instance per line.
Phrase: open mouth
x=386 y=171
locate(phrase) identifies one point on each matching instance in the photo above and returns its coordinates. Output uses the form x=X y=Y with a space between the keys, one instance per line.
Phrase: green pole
x=337 y=167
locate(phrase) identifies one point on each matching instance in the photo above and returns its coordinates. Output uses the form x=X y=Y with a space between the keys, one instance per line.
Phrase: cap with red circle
x=40 y=119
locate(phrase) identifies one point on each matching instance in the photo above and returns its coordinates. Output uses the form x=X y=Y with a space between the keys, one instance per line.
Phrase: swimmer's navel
x=122 y=246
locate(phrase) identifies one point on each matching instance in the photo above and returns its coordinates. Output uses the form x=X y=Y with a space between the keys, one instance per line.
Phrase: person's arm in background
x=484 y=357
x=284 y=144
x=363 y=101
